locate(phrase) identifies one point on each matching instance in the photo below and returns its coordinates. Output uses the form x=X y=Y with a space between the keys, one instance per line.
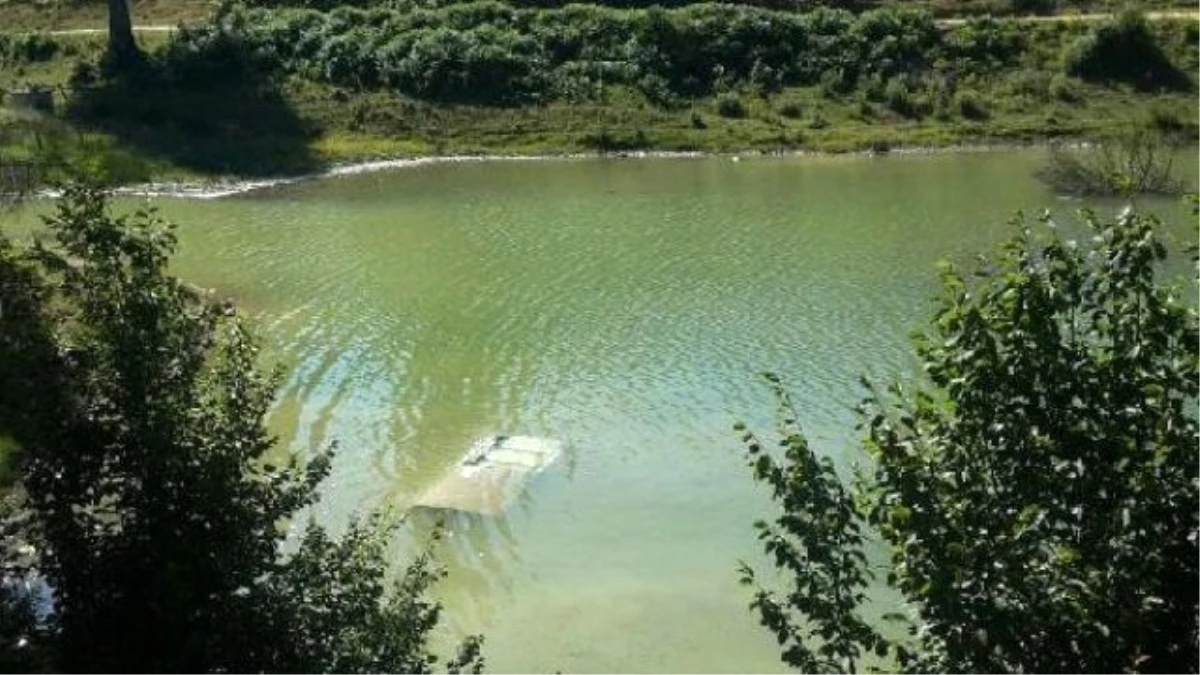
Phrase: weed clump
x=1137 y=161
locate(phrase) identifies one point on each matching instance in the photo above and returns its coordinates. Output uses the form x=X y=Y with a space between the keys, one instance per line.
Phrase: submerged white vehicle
x=491 y=474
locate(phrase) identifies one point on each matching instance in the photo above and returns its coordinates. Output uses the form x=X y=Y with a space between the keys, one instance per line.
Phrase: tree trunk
x=121 y=47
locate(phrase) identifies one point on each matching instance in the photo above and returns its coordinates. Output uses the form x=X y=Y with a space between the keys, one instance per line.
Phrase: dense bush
x=27 y=48
x=791 y=110
x=485 y=64
x=986 y=43
x=1038 y=7
x=1031 y=83
x=1124 y=50
x=316 y=4
x=407 y=5
x=199 y=57
x=971 y=105
x=494 y=53
x=900 y=98
x=731 y=106
x=1063 y=88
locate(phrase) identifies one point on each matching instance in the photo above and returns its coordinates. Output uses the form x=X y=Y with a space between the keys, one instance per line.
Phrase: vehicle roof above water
x=491 y=474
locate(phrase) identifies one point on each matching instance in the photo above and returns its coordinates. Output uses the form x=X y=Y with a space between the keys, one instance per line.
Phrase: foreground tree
x=1038 y=492
x=153 y=506
x=818 y=541
x=22 y=338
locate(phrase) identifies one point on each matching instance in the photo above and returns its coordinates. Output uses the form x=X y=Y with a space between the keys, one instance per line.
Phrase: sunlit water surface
x=623 y=306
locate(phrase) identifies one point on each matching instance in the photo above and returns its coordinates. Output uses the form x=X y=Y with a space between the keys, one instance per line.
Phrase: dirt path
x=103 y=31
x=1153 y=16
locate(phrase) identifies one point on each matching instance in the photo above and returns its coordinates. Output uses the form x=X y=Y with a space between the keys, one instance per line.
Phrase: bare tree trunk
x=121 y=47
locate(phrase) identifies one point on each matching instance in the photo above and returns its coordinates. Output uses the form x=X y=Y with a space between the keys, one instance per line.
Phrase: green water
x=623 y=306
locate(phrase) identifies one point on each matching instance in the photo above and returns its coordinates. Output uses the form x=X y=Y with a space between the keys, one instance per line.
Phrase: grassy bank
x=50 y=15
x=279 y=92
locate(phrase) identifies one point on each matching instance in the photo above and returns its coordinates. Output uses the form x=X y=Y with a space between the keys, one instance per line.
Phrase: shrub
x=764 y=79
x=899 y=98
x=984 y=43
x=877 y=146
x=836 y=81
x=971 y=105
x=731 y=106
x=1063 y=88
x=1191 y=33
x=346 y=58
x=658 y=90
x=939 y=97
x=1032 y=83
x=1038 y=7
x=872 y=86
x=489 y=52
x=83 y=74
x=1136 y=161
x=209 y=55
x=486 y=65
x=29 y=48
x=607 y=141
x=894 y=41
x=1166 y=121
x=323 y=5
x=34 y=47
x=864 y=110
x=1124 y=50
x=791 y=110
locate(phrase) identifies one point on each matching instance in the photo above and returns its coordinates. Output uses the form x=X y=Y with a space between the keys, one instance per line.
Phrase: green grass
x=380 y=124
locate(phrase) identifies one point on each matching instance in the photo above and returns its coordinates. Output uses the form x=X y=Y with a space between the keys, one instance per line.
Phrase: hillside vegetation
x=491 y=53
x=259 y=90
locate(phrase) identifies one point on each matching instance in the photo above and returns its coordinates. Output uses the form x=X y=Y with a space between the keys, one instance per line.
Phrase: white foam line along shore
x=216 y=189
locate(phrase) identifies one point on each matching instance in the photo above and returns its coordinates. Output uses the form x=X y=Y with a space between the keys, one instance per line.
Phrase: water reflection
x=478 y=552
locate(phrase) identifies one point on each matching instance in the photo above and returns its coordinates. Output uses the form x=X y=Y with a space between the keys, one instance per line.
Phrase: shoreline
x=219 y=188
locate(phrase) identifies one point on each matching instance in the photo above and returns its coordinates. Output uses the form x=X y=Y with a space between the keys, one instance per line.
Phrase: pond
x=623 y=307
